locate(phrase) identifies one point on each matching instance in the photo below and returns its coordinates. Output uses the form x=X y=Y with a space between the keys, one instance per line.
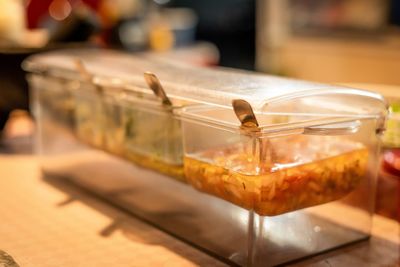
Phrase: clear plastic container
x=116 y=118
x=90 y=115
x=285 y=149
x=99 y=117
x=278 y=172
x=279 y=179
x=136 y=126
x=153 y=137
x=56 y=94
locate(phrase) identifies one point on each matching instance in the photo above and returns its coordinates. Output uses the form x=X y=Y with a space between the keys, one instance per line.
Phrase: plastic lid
x=105 y=64
x=214 y=86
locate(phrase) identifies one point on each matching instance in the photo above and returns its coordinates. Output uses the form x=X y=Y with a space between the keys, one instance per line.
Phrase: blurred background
x=351 y=41
x=354 y=42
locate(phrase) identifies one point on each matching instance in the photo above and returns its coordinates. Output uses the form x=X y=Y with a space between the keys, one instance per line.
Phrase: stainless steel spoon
x=154 y=83
x=244 y=113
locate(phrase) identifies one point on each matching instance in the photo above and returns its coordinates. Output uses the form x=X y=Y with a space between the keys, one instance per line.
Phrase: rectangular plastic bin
x=153 y=137
x=57 y=95
x=274 y=175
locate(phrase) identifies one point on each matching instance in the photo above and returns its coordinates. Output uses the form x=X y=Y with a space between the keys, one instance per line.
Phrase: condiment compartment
x=129 y=124
x=57 y=96
x=277 y=172
x=90 y=115
x=153 y=137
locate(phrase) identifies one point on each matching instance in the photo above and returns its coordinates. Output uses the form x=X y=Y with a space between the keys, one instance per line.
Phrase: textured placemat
x=43 y=226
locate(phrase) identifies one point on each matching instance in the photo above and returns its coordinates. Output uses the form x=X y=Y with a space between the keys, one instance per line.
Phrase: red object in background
x=388 y=187
x=391 y=162
x=37 y=9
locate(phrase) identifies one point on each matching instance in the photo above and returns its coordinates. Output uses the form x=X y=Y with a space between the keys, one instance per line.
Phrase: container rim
x=189 y=114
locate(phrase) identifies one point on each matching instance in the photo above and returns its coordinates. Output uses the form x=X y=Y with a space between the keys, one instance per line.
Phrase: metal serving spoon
x=154 y=83
x=244 y=112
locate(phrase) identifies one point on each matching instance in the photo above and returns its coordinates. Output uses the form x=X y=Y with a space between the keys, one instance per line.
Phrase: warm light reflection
x=60 y=9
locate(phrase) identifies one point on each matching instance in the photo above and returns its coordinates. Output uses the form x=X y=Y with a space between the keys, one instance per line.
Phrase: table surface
x=45 y=226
